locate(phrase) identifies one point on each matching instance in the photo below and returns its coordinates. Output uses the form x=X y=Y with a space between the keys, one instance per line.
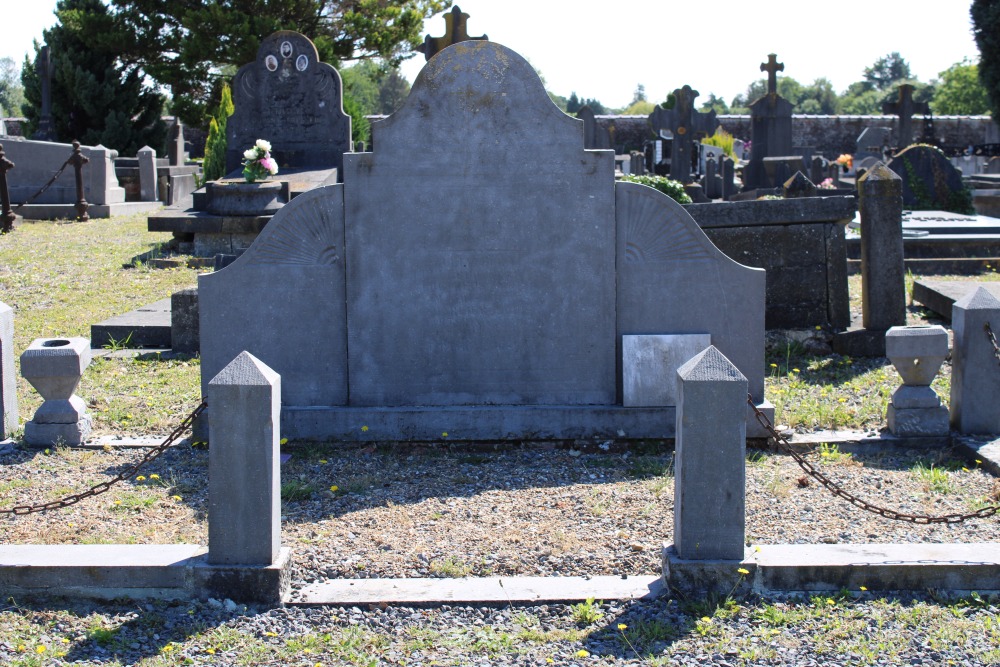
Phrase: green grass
x=60 y=278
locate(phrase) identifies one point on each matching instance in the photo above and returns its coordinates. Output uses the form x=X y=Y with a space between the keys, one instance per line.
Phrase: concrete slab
x=479 y=590
x=148 y=326
x=940 y=295
x=773 y=568
x=165 y=571
x=68 y=211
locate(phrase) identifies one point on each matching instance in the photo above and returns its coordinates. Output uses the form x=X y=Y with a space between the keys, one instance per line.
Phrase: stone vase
x=54 y=367
x=917 y=353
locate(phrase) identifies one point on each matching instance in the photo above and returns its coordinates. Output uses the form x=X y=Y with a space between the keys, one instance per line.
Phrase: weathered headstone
x=8 y=381
x=930 y=181
x=770 y=130
x=54 y=367
x=291 y=99
x=594 y=136
x=710 y=459
x=684 y=124
x=175 y=145
x=712 y=181
x=43 y=68
x=456 y=31
x=728 y=177
x=917 y=353
x=873 y=142
x=975 y=366
x=883 y=288
x=243 y=464
x=481 y=301
x=147 y=174
x=905 y=108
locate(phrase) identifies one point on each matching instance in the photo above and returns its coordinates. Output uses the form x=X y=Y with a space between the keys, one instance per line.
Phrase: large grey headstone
x=929 y=180
x=445 y=283
x=975 y=375
x=147 y=173
x=8 y=381
x=290 y=98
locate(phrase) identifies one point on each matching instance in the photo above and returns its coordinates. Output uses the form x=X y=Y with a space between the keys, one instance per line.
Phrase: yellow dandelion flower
x=334 y=488
x=270 y=634
x=830 y=601
x=210 y=651
x=168 y=648
x=622 y=626
x=154 y=476
x=774 y=365
x=364 y=429
x=964 y=469
x=323 y=461
x=863 y=588
x=549 y=660
x=796 y=370
x=21 y=648
x=583 y=653
x=706 y=619
x=283 y=441
x=444 y=434
x=743 y=570
x=177 y=498
x=140 y=478
x=118 y=502
x=757 y=549
x=40 y=649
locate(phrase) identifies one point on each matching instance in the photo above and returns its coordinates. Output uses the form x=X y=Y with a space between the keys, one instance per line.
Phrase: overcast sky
x=603 y=50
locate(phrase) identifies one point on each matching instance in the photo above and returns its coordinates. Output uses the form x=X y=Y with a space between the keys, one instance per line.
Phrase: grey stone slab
x=668 y=271
x=148 y=326
x=710 y=458
x=244 y=494
x=8 y=379
x=291 y=99
x=184 y=320
x=522 y=271
x=147 y=174
x=975 y=368
x=138 y=571
x=650 y=363
x=817 y=568
x=940 y=295
x=486 y=590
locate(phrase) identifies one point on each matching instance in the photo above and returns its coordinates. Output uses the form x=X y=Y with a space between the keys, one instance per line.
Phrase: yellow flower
x=863 y=588
x=334 y=488
x=270 y=634
x=549 y=660
x=210 y=651
x=795 y=370
x=140 y=478
x=21 y=648
x=283 y=441
x=706 y=619
x=154 y=476
x=40 y=649
x=322 y=461
x=444 y=434
x=622 y=626
x=177 y=498
x=830 y=601
x=757 y=549
x=118 y=502
x=818 y=327
x=582 y=653
x=774 y=365
x=743 y=570
x=168 y=648
x=364 y=429
x=964 y=469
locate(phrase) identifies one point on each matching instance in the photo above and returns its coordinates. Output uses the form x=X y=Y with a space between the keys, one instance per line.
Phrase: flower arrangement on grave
x=258 y=163
x=845 y=161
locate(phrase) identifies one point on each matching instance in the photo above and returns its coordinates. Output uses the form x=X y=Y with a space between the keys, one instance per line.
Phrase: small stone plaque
x=650 y=363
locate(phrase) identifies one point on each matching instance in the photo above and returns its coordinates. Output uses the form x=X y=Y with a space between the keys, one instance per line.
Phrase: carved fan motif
x=306 y=233
x=654 y=232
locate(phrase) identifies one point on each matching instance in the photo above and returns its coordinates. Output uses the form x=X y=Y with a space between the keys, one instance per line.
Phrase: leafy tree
x=959 y=91
x=861 y=99
x=392 y=91
x=639 y=108
x=11 y=91
x=214 y=166
x=986 y=29
x=716 y=103
x=887 y=71
x=95 y=98
x=573 y=104
x=376 y=88
x=183 y=45
x=360 y=127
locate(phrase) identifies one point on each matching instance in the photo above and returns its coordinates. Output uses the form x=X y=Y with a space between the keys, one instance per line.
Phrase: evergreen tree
x=94 y=98
x=986 y=29
x=214 y=166
x=573 y=103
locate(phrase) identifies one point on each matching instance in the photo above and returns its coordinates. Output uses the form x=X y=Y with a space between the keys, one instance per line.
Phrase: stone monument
x=444 y=287
x=54 y=367
x=770 y=131
x=917 y=353
x=456 y=31
x=905 y=108
x=43 y=67
x=684 y=124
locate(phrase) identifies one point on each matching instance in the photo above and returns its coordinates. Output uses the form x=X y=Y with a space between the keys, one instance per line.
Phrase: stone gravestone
x=175 y=145
x=43 y=67
x=770 y=129
x=930 y=181
x=290 y=98
x=905 y=108
x=685 y=124
x=594 y=136
x=872 y=143
x=481 y=301
x=8 y=381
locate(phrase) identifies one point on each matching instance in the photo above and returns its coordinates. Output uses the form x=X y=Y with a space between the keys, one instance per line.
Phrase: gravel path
x=532 y=510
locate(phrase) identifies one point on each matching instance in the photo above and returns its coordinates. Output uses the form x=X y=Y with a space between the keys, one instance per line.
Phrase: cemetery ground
x=450 y=509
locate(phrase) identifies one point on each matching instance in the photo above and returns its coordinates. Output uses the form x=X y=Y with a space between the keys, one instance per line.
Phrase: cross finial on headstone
x=455 y=31
x=772 y=67
x=905 y=108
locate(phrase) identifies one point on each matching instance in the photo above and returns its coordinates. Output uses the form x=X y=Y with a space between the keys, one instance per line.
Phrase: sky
x=604 y=49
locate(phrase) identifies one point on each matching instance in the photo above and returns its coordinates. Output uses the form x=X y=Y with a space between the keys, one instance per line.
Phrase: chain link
x=104 y=487
x=43 y=188
x=840 y=492
x=993 y=340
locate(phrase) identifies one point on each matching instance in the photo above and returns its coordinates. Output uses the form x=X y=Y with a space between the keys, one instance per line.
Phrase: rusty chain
x=103 y=487
x=43 y=188
x=993 y=340
x=840 y=492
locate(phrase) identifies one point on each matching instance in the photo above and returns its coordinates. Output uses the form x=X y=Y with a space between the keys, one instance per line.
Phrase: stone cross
x=905 y=108
x=455 y=31
x=772 y=67
x=685 y=124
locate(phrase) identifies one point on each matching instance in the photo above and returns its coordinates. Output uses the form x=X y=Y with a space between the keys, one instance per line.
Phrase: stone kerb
x=710 y=450
x=975 y=374
x=8 y=381
x=244 y=496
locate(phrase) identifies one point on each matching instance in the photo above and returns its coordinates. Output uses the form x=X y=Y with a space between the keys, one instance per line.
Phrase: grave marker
x=456 y=31
x=975 y=370
x=685 y=124
x=905 y=108
x=770 y=130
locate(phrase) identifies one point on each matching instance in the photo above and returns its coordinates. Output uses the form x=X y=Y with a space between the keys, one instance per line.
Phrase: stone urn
x=917 y=352
x=242 y=198
x=54 y=367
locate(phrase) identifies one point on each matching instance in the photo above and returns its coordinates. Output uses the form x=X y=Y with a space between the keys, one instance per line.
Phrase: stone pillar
x=147 y=173
x=710 y=454
x=8 y=382
x=175 y=145
x=54 y=367
x=244 y=493
x=883 y=291
x=975 y=371
x=917 y=352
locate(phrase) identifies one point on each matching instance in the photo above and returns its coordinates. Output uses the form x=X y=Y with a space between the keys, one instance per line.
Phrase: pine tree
x=94 y=98
x=986 y=29
x=214 y=166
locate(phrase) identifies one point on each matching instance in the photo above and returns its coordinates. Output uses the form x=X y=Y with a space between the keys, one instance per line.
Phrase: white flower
x=264 y=145
x=250 y=154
